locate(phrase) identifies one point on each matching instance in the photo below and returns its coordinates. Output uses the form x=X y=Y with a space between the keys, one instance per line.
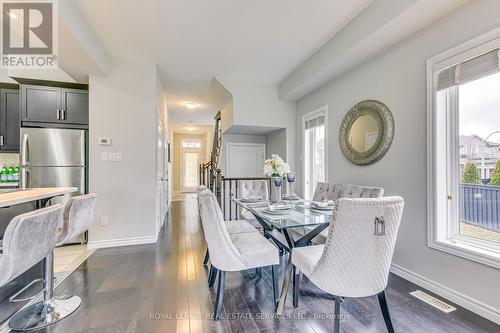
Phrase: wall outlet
x=104 y=221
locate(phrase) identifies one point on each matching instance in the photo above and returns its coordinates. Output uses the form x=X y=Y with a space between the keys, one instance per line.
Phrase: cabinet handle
x=2 y=140
x=63 y=114
x=58 y=114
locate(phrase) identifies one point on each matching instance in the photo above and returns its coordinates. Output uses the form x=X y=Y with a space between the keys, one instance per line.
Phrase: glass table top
x=301 y=215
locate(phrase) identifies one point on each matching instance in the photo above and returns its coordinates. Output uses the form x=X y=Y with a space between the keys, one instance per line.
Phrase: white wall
x=398 y=78
x=258 y=104
x=123 y=107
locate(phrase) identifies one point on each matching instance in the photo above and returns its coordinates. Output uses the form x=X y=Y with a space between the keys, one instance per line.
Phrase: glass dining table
x=296 y=228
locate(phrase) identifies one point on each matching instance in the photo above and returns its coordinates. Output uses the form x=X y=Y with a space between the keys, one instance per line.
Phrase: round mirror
x=366 y=132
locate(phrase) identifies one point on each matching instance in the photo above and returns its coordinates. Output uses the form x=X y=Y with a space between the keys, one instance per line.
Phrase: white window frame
x=446 y=236
x=316 y=112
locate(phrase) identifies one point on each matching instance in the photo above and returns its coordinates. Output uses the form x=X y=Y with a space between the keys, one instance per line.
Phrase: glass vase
x=278 y=181
x=290 y=177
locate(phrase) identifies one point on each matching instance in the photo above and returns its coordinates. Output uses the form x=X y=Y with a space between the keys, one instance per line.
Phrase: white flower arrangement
x=275 y=167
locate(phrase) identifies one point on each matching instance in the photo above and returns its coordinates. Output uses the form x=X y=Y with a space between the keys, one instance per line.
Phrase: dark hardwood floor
x=163 y=288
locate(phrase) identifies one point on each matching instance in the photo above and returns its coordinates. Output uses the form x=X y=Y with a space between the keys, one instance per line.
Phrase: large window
x=464 y=137
x=314 y=125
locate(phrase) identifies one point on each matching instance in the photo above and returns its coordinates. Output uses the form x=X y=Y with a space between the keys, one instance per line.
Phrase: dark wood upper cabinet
x=40 y=104
x=75 y=106
x=53 y=105
x=9 y=120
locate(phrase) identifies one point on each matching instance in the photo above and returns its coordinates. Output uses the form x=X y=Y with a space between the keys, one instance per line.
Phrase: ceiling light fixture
x=190 y=129
x=191 y=105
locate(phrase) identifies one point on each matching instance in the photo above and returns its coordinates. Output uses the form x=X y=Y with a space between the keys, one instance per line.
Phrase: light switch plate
x=114 y=157
x=104 y=221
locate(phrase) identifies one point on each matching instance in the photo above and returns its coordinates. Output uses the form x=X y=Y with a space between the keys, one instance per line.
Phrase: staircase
x=208 y=171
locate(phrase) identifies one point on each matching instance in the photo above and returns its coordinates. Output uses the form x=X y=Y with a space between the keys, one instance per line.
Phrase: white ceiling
x=178 y=128
x=195 y=40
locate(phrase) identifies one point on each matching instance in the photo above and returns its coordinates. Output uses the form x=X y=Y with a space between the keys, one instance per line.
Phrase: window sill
x=464 y=249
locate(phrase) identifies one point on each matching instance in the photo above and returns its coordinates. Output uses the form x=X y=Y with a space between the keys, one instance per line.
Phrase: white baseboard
x=471 y=304
x=101 y=244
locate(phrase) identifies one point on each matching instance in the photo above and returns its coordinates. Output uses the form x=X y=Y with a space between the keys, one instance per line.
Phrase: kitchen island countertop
x=18 y=196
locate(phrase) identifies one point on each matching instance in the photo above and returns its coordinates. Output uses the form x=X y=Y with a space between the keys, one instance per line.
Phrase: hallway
x=163 y=288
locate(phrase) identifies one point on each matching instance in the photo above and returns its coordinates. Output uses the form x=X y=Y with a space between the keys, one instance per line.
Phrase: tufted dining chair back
x=356 y=260
x=253 y=187
x=328 y=191
x=223 y=254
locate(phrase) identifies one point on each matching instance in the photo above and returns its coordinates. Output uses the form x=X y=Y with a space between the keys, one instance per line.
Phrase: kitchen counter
x=6 y=184
x=18 y=196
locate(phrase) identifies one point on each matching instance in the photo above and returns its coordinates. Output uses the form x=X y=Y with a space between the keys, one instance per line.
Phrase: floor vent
x=431 y=300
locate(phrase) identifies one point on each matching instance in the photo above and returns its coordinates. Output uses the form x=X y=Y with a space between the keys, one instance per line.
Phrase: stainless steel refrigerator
x=54 y=157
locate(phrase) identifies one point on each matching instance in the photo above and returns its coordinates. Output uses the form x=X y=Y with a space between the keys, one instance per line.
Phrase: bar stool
x=28 y=239
x=77 y=217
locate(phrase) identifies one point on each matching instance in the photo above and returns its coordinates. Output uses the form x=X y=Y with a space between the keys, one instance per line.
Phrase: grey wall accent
x=276 y=143
x=398 y=78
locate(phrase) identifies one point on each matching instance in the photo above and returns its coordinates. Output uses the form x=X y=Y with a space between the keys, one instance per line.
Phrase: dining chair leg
x=296 y=281
x=259 y=272
x=205 y=261
x=336 y=320
x=212 y=276
x=385 y=311
x=276 y=292
x=220 y=295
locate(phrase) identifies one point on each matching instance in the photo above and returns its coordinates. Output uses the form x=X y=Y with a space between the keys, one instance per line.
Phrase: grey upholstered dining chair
x=234 y=252
x=247 y=188
x=357 y=255
x=233 y=227
x=327 y=191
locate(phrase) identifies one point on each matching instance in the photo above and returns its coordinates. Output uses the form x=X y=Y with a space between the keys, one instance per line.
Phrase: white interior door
x=190 y=169
x=245 y=159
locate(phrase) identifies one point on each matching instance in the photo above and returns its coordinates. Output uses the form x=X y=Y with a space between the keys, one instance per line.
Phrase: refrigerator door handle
x=25 y=150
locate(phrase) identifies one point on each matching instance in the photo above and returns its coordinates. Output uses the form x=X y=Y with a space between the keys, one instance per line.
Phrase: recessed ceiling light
x=190 y=129
x=191 y=105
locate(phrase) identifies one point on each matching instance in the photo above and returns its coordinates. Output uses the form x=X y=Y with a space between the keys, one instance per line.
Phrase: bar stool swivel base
x=44 y=313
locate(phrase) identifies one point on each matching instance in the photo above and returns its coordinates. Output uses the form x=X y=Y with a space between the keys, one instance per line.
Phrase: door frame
x=183 y=152
x=240 y=144
x=322 y=109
